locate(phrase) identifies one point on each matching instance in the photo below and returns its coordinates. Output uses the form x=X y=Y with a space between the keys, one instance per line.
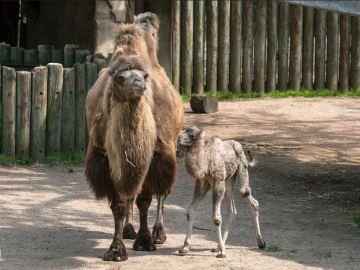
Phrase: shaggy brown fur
x=134 y=141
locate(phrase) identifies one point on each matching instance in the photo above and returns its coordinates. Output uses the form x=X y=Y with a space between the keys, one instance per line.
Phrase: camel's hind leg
x=199 y=193
x=158 y=233
x=129 y=231
x=144 y=241
x=117 y=251
x=218 y=195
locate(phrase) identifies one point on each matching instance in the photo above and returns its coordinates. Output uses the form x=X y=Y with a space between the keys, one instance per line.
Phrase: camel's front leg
x=144 y=241
x=158 y=233
x=117 y=251
x=218 y=195
x=199 y=193
x=129 y=231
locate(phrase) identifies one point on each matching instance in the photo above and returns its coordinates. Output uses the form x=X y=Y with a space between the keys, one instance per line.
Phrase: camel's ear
x=147 y=19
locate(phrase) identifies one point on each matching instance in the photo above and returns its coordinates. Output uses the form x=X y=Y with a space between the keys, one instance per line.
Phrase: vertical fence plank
x=283 y=39
x=344 y=52
x=57 y=56
x=30 y=57
x=4 y=54
x=38 y=112
x=224 y=46
x=320 y=48
x=332 y=62
x=187 y=46
x=16 y=56
x=1 y=120
x=272 y=36
x=68 y=112
x=308 y=60
x=100 y=64
x=235 y=47
x=259 y=46
x=211 y=44
x=80 y=128
x=8 y=110
x=69 y=55
x=296 y=27
x=175 y=27
x=355 y=53
x=23 y=107
x=54 y=108
x=247 y=46
x=198 y=80
x=91 y=75
x=44 y=54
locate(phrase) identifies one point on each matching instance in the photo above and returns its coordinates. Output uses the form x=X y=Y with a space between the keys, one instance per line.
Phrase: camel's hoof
x=129 y=232
x=144 y=242
x=158 y=233
x=261 y=243
x=220 y=256
x=117 y=254
x=183 y=252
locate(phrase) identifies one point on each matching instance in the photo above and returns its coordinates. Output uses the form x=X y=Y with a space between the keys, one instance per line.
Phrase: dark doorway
x=9 y=12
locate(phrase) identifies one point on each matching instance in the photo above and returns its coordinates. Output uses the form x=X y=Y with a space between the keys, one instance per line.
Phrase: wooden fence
x=262 y=46
x=43 y=110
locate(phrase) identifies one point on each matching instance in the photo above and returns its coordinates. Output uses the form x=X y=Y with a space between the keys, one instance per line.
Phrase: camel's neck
x=196 y=162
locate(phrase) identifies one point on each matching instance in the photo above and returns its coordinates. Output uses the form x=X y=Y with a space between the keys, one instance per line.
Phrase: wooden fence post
x=100 y=64
x=91 y=75
x=295 y=47
x=344 y=52
x=259 y=46
x=38 y=112
x=308 y=60
x=69 y=55
x=224 y=46
x=16 y=56
x=30 y=57
x=320 y=48
x=247 y=78
x=187 y=47
x=57 y=56
x=211 y=45
x=332 y=62
x=54 y=104
x=235 y=47
x=272 y=39
x=355 y=53
x=80 y=95
x=283 y=69
x=175 y=27
x=23 y=108
x=68 y=112
x=44 y=54
x=198 y=78
x=4 y=54
x=8 y=110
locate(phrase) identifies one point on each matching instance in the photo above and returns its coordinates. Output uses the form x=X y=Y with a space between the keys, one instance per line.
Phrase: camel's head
x=129 y=77
x=190 y=136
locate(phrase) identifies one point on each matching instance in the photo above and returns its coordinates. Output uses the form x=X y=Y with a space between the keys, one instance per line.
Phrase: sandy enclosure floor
x=307 y=183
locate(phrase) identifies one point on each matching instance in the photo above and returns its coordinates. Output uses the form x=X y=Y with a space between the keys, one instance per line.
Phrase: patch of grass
x=17 y=161
x=357 y=218
x=281 y=94
x=69 y=159
x=272 y=248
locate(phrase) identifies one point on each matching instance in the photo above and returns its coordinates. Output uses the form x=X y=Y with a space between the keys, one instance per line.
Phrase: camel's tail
x=252 y=161
x=243 y=174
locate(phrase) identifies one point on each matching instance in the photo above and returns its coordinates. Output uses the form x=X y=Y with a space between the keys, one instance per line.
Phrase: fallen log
x=204 y=104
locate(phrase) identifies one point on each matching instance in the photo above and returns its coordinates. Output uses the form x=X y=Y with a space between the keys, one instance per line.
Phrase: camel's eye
x=146 y=75
x=119 y=78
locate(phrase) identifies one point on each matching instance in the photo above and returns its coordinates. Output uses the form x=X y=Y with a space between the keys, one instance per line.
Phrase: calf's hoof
x=220 y=256
x=183 y=252
x=261 y=243
x=214 y=250
x=158 y=233
x=129 y=232
x=116 y=253
x=144 y=242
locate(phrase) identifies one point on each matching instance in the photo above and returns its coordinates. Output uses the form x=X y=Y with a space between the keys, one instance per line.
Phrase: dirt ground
x=307 y=183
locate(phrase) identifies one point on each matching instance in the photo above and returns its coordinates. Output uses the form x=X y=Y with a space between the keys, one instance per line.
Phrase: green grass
x=357 y=218
x=69 y=159
x=17 y=161
x=281 y=94
x=272 y=248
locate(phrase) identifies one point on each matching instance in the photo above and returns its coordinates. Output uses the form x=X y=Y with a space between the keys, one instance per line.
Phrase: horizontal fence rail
x=43 y=110
x=262 y=46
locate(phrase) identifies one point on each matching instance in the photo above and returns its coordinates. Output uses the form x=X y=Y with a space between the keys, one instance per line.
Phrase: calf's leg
x=218 y=195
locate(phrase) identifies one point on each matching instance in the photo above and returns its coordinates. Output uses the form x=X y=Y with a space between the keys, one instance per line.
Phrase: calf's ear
x=147 y=19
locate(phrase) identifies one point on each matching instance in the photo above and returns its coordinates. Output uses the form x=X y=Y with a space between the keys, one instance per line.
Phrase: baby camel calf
x=218 y=165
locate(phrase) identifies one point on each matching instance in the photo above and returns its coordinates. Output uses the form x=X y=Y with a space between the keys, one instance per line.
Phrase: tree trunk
x=307 y=68
x=259 y=46
x=198 y=47
x=320 y=48
x=283 y=69
x=272 y=46
x=211 y=44
x=248 y=46
x=332 y=63
x=344 y=52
